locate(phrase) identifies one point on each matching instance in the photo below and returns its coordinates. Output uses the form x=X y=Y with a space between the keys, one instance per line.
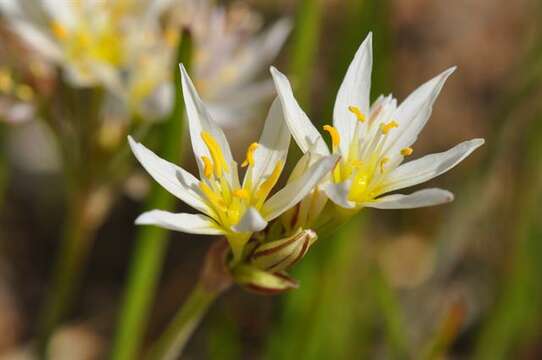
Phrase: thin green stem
x=73 y=252
x=151 y=242
x=305 y=45
x=172 y=342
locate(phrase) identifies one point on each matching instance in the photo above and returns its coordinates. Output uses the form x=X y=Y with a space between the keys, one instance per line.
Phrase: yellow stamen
x=335 y=136
x=407 y=151
x=6 y=82
x=241 y=193
x=216 y=153
x=24 y=92
x=213 y=197
x=59 y=30
x=250 y=155
x=383 y=162
x=356 y=111
x=267 y=185
x=385 y=128
x=207 y=166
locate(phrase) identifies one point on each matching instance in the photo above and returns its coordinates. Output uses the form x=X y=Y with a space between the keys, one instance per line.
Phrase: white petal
x=303 y=131
x=257 y=55
x=423 y=169
x=413 y=113
x=338 y=193
x=251 y=221
x=171 y=177
x=200 y=120
x=37 y=39
x=187 y=223
x=355 y=90
x=296 y=190
x=422 y=198
x=273 y=144
x=62 y=11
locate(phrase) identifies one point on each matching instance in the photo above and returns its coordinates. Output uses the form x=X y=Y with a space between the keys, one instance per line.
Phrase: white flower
x=227 y=206
x=230 y=55
x=128 y=49
x=374 y=140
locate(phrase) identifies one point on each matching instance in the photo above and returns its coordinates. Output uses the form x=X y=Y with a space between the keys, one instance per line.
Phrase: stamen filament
x=220 y=164
x=207 y=167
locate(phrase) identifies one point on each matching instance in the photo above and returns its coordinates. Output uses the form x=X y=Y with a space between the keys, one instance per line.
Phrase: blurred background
x=455 y=281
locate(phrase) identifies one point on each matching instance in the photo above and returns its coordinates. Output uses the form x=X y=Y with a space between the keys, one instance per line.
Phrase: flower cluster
x=129 y=48
x=267 y=232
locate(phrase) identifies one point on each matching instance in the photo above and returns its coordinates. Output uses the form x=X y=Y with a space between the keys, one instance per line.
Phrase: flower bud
x=281 y=254
x=263 y=282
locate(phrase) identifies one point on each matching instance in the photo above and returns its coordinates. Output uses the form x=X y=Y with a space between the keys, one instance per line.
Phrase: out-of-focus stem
x=80 y=222
x=74 y=248
x=3 y=166
x=304 y=47
x=151 y=242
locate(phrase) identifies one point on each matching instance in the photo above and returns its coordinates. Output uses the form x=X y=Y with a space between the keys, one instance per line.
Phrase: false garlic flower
x=374 y=140
x=129 y=47
x=231 y=52
x=227 y=206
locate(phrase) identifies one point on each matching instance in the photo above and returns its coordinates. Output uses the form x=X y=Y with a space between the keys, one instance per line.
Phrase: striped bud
x=262 y=282
x=279 y=255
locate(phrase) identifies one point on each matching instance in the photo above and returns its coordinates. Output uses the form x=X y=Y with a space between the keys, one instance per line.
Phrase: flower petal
x=187 y=223
x=171 y=177
x=273 y=144
x=200 y=120
x=422 y=198
x=338 y=193
x=355 y=90
x=413 y=113
x=251 y=221
x=303 y=131
x=423 y=169
x=296 y=190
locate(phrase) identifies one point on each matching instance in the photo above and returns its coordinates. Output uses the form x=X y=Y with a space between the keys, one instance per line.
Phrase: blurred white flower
x=374 y=140
x=228 y=207
x=129 y=47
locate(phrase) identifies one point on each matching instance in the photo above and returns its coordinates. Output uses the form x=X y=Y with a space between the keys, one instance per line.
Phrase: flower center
x=365 y=162
x=230 y=201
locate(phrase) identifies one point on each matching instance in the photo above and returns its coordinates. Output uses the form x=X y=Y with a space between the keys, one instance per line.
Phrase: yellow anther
x=207 y=166
x=383 y=162
x=241 y=193
x=250 y=155
x=335 y=136
x=216 y=153
x=6 y=82
x=407 y=151
x=59 y=30
x=385 y=128
x=24 y=92
x=356 y=111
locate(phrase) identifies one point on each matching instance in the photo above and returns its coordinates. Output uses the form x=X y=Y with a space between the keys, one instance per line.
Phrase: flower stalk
x=151 y=242
x=214 y=280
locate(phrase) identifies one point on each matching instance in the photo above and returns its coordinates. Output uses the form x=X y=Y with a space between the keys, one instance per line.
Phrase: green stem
x=72 y=257
x=171 y=344
x=305 y=45
x=151 y=242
